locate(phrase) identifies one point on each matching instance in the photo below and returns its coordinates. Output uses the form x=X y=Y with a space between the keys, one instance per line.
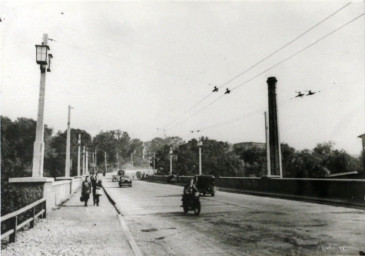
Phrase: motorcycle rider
x=189 y=189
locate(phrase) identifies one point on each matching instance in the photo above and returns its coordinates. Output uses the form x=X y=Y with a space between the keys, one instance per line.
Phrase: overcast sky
x=142 y=66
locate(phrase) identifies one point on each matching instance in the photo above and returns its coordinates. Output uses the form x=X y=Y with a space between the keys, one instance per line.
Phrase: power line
x=262 y=60
x=280 y=104
x=277 y=64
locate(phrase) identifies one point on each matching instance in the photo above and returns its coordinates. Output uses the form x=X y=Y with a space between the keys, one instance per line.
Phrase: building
x=249 y=145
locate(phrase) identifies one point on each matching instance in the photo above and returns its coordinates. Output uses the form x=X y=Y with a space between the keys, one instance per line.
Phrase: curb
x=130 y=239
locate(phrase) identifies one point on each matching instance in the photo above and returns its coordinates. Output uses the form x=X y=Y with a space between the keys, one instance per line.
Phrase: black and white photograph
x=187 y=128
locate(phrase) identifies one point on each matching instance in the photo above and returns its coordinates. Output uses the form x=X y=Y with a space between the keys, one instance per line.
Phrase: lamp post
x=43 y=59
x=170 y=160
x=200 y=144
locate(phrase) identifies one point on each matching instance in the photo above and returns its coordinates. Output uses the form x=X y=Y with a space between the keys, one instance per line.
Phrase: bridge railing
x=10 y=222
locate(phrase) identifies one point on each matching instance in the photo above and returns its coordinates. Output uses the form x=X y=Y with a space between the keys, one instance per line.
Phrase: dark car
x=205 y=184
x=172 y=178
x=116 y=177
x=125 y=181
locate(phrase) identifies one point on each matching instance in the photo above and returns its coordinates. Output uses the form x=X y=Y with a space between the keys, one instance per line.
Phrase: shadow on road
x=178 y=195
x=111 y=187
x=173 y=214
x=79 y=205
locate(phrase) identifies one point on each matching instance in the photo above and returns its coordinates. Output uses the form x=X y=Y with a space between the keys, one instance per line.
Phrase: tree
x=17 y=140
x=254 y=161
x=216 y=159
x=55 y=156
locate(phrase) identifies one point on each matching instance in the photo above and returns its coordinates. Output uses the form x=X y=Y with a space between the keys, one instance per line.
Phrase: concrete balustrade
x=55 y=191
x=344 y=191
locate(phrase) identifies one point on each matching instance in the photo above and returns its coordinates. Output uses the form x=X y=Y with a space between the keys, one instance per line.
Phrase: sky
x=149 y=68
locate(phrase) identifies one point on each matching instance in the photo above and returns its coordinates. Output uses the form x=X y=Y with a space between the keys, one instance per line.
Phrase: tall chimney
x=274 y=142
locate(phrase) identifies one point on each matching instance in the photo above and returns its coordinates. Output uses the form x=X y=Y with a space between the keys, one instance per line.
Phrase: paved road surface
x=236 y=224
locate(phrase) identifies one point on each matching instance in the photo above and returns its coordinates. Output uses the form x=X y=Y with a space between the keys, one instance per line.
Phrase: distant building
x=249 y=145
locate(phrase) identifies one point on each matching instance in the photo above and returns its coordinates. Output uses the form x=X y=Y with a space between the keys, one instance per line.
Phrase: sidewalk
x=73 y=229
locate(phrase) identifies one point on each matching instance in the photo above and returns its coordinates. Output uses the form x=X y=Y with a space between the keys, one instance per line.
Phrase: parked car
x=125 y=181
x=205 y=184
x=172 y=178
x=116 y=177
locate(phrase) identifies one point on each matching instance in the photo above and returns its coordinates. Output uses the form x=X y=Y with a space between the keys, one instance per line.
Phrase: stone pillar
x=274 y=142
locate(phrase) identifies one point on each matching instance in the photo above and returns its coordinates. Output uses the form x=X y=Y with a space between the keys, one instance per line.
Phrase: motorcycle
x=191 y=202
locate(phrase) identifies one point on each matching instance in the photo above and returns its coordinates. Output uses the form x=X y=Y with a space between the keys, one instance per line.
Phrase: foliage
x=254 y=161
x=14 y=198
x=216 y=159
x=320 y=162
x=55 y=154
x=17 y=140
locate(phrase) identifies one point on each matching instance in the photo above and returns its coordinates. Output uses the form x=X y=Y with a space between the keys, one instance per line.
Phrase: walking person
x=93 y=179
x=85 y=190
x=98 y=191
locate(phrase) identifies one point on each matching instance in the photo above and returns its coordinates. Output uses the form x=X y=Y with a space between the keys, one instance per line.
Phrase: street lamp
x=171 y=160
x=200 y=144
x=42 y=53
x=42 y=58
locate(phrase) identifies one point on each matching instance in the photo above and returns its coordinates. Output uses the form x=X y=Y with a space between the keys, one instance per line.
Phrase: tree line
x=218 y=158
x=18 y=136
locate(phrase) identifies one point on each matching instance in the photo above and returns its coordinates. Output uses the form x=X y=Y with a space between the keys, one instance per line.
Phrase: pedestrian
x=85 y=190
x=93 y=184
x=98 y=190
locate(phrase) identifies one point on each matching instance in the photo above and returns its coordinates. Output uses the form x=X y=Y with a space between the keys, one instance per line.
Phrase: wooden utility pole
x=78 y=155
x=68 y=144
x=267 y=146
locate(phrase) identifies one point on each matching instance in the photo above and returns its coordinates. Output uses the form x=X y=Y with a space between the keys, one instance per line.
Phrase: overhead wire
x=280 y=104
x=277 y=64
x=260 y=61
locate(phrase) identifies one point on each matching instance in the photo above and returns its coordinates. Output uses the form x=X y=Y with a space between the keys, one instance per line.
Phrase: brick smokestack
x=274 y=143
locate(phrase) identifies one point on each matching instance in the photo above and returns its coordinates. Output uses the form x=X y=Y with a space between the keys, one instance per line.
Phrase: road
x=235 y=224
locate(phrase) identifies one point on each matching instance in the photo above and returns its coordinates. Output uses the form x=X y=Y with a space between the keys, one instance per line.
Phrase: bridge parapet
x=55 y=191
x=344 y=191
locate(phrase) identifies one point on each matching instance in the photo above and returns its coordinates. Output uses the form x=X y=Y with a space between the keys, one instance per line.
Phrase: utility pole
x=154 y=162
x=267 y=146
x=83 y=160
x=118 y=160
x=106 y=165
x=96 y=162
x=200 y=144
x=68 y=144
x=78 y=155
x=87 y=163
x=38 y=148
x=132 y=159
x=170 y=160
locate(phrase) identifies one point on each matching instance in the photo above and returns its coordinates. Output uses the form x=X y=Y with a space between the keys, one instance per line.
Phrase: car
x=125 y=181
x=205 y=184
x=172 y=178
x=116 y=177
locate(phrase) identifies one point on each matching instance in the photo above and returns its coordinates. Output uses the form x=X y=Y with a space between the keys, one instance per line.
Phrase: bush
x=16 y=197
